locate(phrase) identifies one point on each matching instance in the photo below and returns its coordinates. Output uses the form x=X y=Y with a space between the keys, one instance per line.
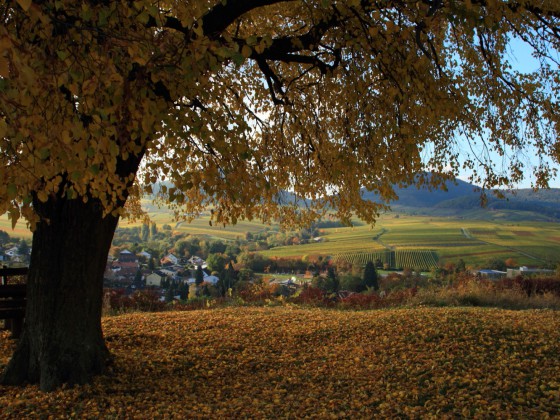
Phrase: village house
x=490 y=274
x=175 y=272
x=127 y=269
x=124 y=269
x=195 y=261
x=12 y=252
x=127 y=256
x=213 y=280
x=155 y=278
x=169 y=259
x=145 y=255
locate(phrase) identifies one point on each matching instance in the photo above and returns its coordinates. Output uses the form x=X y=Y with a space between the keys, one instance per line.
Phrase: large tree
x=235 y=102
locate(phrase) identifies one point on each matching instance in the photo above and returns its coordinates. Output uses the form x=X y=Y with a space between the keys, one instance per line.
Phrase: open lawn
x=286 y=362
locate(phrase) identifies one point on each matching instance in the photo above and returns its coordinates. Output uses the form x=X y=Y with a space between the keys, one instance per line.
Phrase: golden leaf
x=246 y=51
x=4 y=67
x=25 y=4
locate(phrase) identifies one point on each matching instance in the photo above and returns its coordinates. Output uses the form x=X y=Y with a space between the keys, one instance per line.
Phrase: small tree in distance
x=497 y=264
x=370 y=276
x=460 y=267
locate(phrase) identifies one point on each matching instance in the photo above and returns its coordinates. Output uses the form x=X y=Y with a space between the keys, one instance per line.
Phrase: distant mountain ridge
x=460 y=198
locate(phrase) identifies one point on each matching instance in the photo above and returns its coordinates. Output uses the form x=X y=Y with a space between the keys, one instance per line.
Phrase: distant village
x=15 y=255
x=127 y=271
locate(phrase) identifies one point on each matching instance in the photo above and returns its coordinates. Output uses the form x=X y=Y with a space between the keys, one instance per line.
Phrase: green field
x=446 y=239
x=476 y=242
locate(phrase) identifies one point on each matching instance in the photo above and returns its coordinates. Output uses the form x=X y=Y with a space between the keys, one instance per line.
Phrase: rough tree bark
x=62 y=341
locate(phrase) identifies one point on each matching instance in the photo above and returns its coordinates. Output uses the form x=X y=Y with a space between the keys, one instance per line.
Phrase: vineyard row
x=410 y=258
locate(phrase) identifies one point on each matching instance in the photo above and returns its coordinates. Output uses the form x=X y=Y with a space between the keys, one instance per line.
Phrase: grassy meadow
x=288 y=362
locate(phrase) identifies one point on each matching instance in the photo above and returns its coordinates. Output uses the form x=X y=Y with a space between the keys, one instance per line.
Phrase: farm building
x=491 y=274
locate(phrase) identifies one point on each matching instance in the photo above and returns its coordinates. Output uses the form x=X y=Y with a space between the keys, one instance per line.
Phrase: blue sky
x=521 y=59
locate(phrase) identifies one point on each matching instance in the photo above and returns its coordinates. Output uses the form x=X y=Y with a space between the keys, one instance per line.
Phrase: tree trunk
x=62 y=341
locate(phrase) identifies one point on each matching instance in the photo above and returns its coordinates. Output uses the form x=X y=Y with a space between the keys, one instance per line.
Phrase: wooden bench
x=13 y=298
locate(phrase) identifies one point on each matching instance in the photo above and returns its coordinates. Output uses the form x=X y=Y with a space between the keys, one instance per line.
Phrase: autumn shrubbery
x=532 y=285
x=257 y=292
x=361 y=301
x=461 y=290
x=311 y=296
x=147 y=300
x=198 y=303
x=315 y=297
x=518 y=293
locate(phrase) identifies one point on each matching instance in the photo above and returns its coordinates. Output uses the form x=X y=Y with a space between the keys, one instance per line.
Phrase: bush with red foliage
x=141 y=300
x=257 y=292
x=147 y=300
x=199 y=303
x=112 y=298
x=400 y=297
x=312 y=296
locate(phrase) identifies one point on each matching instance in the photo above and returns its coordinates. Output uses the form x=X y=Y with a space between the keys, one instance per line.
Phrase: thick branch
x=224 y=14
x=217 y=19
x=307 y=41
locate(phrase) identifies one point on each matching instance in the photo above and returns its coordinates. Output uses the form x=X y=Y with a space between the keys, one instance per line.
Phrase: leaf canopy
x=235 y=102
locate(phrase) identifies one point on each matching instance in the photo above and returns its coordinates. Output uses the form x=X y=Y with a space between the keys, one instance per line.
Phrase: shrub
x=257 y=292
x=516 y=293
x=532 y=285
x=142 y=300
x=400 y=297
x=361 y=301
x=198 y=303
x=310 y=295
x=352 y=284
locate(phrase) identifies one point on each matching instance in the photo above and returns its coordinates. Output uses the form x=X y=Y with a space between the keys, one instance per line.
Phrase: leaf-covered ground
x=285 y=362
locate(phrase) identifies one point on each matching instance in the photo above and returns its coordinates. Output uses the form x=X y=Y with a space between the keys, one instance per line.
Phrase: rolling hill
x=462 y=199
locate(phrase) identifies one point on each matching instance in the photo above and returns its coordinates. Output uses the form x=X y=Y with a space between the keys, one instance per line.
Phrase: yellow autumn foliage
x=236 y=102
x=287 y=362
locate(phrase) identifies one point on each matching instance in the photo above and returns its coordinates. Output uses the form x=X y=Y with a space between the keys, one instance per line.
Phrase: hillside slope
x=460 y=198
